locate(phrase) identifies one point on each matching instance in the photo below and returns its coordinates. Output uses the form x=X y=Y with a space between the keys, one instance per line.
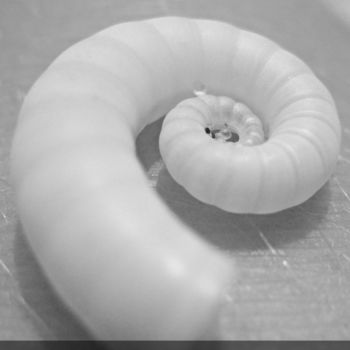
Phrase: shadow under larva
x=228 y=231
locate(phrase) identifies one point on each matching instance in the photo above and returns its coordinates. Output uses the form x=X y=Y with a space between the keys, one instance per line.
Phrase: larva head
x=208 y=138
x=233 y=122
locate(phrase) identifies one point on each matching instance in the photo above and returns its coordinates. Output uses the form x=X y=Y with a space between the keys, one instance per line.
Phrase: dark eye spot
x=234 y=137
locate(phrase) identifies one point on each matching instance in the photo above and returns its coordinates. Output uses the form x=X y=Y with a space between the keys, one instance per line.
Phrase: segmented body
x=115 y=253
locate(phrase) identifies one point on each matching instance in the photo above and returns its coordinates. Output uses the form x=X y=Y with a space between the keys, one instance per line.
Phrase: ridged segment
x=203 y=170
x=252 y=49
x=198 y=105
x=317 y=117
x=282 y=170
x=178 y=146
x=300 y=87
x=314 y=142
x=83 y=122
x=83 y=81
x=278 y=69
x=157 y=57
x=241 y=184
x=311 y=172
x=121 y=61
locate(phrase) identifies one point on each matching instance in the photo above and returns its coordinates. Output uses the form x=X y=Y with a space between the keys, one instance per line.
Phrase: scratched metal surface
x=293 y=267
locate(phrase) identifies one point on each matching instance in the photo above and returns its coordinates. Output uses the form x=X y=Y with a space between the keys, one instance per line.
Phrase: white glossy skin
x=115 y=253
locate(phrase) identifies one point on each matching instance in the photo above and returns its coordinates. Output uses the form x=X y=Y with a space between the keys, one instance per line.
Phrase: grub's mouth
x=237 y=125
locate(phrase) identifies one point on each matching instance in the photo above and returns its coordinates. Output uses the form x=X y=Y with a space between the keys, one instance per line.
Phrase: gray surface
x=293 y=267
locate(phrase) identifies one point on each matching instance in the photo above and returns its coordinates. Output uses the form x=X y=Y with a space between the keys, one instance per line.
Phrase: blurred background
x=293 y=267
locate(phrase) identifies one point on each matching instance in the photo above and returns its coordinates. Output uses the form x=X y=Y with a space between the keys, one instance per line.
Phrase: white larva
x=115 y=253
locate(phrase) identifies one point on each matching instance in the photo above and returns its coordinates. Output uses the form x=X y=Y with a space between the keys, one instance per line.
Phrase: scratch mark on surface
x=268 y=244
x=332 y=250
x=17 y=297
x=300 y=284
x=34 y=315
x=5 y=268
x=346 y=257
x=341 y=188
x=264 y=239
x=4 y=216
